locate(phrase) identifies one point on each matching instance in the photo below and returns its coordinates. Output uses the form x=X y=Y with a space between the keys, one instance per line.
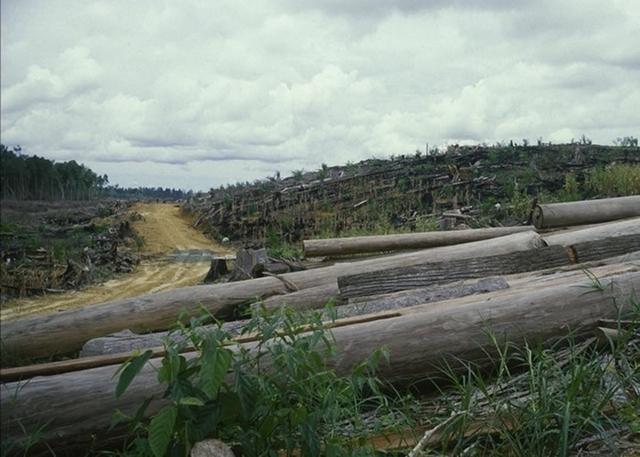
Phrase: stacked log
x=417 y=276
x=129 y=341
x=69 y=330
x=424 y=307
x=78 y=406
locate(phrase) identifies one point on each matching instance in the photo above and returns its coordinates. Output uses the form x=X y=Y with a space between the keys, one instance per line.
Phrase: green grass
x=614 y=180
x=543 y=401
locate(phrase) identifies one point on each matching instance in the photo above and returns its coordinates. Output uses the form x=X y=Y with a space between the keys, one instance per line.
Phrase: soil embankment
x=175 y=255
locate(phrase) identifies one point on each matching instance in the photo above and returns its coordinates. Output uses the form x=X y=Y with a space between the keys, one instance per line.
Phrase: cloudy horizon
x=196 y=94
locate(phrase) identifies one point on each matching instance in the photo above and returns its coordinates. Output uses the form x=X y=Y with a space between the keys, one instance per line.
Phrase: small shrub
x=277 y=398
x=426 y=224
x=571 y=188
x=519 y=204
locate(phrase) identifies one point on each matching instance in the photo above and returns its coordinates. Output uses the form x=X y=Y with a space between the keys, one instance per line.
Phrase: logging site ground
x=478 y=301
x=165 y=231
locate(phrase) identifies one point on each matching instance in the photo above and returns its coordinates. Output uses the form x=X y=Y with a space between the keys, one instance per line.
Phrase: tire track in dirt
x=164 y=230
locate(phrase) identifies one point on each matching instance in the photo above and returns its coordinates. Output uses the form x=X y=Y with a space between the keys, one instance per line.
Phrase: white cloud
x=197 y=93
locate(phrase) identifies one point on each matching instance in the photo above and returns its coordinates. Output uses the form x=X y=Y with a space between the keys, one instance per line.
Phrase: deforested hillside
x=470 y=185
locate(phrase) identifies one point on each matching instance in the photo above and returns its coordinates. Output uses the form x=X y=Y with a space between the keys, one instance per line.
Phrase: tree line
x=137 y=193
x=26 y=177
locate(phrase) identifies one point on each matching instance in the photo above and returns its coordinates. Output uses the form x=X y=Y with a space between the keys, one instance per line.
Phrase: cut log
x=78 y=407
x=67 y=331
x=364 y=244
x=27 y=372
x=129 y=341
x=317 y=297
x=456 y=329
x=416 y=276
x=105 y=351
x=585 y=211
x=407 y=298
x=597 y=232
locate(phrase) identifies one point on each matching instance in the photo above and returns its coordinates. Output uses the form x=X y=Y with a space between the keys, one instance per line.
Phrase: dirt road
x=165 y=232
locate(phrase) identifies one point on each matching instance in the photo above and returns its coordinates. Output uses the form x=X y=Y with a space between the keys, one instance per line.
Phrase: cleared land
x=165 y=232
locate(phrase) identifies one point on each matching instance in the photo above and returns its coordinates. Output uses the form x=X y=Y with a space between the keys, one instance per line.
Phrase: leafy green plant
x=276 y=397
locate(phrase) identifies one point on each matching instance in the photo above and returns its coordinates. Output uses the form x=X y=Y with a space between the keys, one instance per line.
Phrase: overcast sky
x=194 y=94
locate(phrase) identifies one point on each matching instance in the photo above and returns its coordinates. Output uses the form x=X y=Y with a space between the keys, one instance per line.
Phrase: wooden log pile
x=78 y=405
x=427 y=307
x=67 y=331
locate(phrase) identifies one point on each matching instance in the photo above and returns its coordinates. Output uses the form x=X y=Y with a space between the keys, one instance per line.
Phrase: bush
x=279 y=397
x=614 y=180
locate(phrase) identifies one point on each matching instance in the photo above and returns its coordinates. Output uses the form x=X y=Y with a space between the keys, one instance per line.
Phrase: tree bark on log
x=305 y=299
x=598 y=232
x=417 y=276
x=589 y=251
x=408 y=298
x=404 y=278
x=317 y=297
x=78 y=406
x=367 y=244
x=67 y=331
x=129 y=341
x=585 y=211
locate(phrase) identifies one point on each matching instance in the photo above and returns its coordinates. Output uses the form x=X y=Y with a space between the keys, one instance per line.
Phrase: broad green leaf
x=215 y=363
x=191 y=401
x=130 y=371
x=161 y=430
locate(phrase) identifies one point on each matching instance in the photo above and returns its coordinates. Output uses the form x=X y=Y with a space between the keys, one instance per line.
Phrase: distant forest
x=25 y=177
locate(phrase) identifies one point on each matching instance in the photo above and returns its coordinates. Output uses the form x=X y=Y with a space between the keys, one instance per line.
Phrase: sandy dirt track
x=165 y=231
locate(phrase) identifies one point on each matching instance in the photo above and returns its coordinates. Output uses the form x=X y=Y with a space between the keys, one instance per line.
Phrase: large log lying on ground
x=129 y=341
x=585 y=211
x=415 y=276
x=68 y=331
x=316 y=297
x=78 y=406
x=593 y=233
x=364 y=244
x=361 y=309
